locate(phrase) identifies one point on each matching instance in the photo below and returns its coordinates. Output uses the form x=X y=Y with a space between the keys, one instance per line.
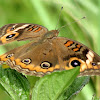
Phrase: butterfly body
x=47 y=52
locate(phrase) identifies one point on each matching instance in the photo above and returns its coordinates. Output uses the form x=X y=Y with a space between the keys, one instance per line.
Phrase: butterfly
x=46 y=53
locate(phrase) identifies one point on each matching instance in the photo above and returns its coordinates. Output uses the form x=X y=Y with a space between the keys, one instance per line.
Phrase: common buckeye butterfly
x=47 y=52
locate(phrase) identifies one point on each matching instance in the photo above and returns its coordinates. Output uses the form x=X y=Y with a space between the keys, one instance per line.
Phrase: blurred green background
x=46 y=13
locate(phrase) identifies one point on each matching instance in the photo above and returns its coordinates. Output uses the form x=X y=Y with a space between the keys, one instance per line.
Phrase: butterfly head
x=50 y=34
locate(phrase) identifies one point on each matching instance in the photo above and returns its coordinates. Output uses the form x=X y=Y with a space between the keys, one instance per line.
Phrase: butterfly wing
x=75 y=54
x=34 y=59
x=11 y=53
x=56 y=54
x=20 y=32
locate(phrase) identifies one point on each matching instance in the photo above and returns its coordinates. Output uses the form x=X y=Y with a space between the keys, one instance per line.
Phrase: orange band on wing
x=78 y=46
x=69 y=43
x=76 y=49
x=38 y=29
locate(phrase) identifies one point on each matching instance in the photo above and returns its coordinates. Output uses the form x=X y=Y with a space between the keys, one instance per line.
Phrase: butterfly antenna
x=70 y=23
x=58 y=18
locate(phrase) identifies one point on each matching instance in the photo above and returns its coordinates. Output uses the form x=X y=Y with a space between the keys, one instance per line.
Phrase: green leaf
x=95 y=98
x=75 y=88
x=50 y=87
x=15 y=84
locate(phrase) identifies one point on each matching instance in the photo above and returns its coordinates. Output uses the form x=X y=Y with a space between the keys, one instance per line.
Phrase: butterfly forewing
x=76 y=54
x=20 y=32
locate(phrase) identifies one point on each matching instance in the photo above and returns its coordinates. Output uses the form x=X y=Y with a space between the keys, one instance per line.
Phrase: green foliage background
x=46 y=13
